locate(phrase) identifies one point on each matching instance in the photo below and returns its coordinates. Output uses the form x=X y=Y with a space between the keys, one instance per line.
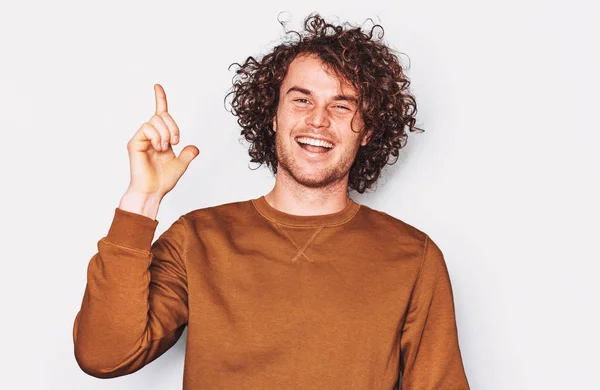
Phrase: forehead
x=310 y=72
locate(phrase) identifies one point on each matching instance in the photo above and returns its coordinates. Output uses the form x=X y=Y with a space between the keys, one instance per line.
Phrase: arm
x=429 y=350
x=135 y=303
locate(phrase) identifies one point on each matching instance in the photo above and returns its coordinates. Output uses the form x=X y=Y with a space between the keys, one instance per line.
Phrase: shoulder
x=220 y=214
x=393 y=237
x=406 y=234
x=388 y=224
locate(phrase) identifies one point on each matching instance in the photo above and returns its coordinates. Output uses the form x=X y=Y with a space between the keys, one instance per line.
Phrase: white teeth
x=314 y=142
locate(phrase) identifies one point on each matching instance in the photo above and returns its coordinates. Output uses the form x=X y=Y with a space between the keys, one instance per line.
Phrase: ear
x=366 y=138
x=275 y=123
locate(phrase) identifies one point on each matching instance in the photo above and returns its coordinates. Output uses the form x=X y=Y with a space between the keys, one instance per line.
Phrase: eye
x=301 y=100
x=343 y=107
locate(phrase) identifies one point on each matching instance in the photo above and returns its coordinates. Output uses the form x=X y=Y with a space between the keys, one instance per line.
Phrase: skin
x=314 y=102
x=154 y=168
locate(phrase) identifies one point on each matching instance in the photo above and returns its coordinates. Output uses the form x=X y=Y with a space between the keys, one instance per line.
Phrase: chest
x=251 y=305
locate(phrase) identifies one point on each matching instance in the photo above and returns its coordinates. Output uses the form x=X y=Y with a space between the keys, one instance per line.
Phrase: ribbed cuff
x=132 y=230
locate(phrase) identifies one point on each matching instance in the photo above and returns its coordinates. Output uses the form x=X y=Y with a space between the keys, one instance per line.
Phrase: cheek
x=291 y=125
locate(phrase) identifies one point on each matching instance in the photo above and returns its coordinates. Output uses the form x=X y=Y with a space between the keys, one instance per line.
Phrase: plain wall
x=504 y=178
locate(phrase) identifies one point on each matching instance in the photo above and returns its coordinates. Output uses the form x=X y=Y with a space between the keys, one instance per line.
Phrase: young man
x=301 y=288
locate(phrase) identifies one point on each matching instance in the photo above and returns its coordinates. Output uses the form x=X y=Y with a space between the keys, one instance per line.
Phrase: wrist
x=143 y=204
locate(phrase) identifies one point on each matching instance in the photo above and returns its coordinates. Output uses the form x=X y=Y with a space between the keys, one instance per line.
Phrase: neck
x=291 y=197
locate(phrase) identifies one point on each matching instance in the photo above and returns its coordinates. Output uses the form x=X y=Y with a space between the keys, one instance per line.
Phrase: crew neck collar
x=277 y=216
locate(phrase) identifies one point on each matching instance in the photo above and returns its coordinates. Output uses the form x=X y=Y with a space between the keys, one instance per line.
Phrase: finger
x=160 y=98
x=186 y=156
x=173 y=128
x=147 y=133
x=161 y=126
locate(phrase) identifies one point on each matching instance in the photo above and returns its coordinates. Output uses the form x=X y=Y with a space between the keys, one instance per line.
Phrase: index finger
x=161 y=99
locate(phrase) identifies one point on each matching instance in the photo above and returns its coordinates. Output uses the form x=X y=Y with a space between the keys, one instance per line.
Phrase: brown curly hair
x=359 y=57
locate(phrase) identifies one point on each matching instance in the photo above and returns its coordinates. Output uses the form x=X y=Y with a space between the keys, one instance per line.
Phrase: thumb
x=186 y=156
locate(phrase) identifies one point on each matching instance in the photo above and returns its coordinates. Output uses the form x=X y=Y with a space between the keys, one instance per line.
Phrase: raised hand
x=154 y=168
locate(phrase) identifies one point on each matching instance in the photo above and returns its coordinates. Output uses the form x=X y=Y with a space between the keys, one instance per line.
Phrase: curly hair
x=356 y=56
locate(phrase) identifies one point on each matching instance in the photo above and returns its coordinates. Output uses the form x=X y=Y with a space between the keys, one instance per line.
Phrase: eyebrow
x=309 y=93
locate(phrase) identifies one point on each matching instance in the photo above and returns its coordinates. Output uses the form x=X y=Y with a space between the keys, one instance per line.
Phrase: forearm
x=119 y=328
x=431 y=357
x=112 y=322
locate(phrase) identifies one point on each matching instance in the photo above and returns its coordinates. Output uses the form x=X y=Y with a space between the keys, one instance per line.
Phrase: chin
x=312 y=179
x=308 y=174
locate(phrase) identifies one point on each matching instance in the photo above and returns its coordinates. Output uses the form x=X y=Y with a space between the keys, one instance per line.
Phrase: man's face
x=318 y=126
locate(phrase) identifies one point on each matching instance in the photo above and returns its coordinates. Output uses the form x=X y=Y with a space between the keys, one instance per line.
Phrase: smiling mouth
x=314 y=145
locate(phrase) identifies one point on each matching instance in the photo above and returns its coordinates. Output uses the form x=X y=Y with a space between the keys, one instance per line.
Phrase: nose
x=318 y=117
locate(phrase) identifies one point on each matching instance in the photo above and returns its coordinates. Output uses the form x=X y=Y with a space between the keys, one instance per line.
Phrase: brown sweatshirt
x=272 y=301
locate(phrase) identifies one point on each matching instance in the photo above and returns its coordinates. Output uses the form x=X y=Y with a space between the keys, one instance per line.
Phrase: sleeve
x=429 y=350
x=135 y=304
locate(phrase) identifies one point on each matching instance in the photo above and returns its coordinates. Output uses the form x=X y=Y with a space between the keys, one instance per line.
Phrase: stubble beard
x=324 y=178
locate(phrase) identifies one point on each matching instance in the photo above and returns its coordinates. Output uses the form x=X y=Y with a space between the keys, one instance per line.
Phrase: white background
x=504 y=179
